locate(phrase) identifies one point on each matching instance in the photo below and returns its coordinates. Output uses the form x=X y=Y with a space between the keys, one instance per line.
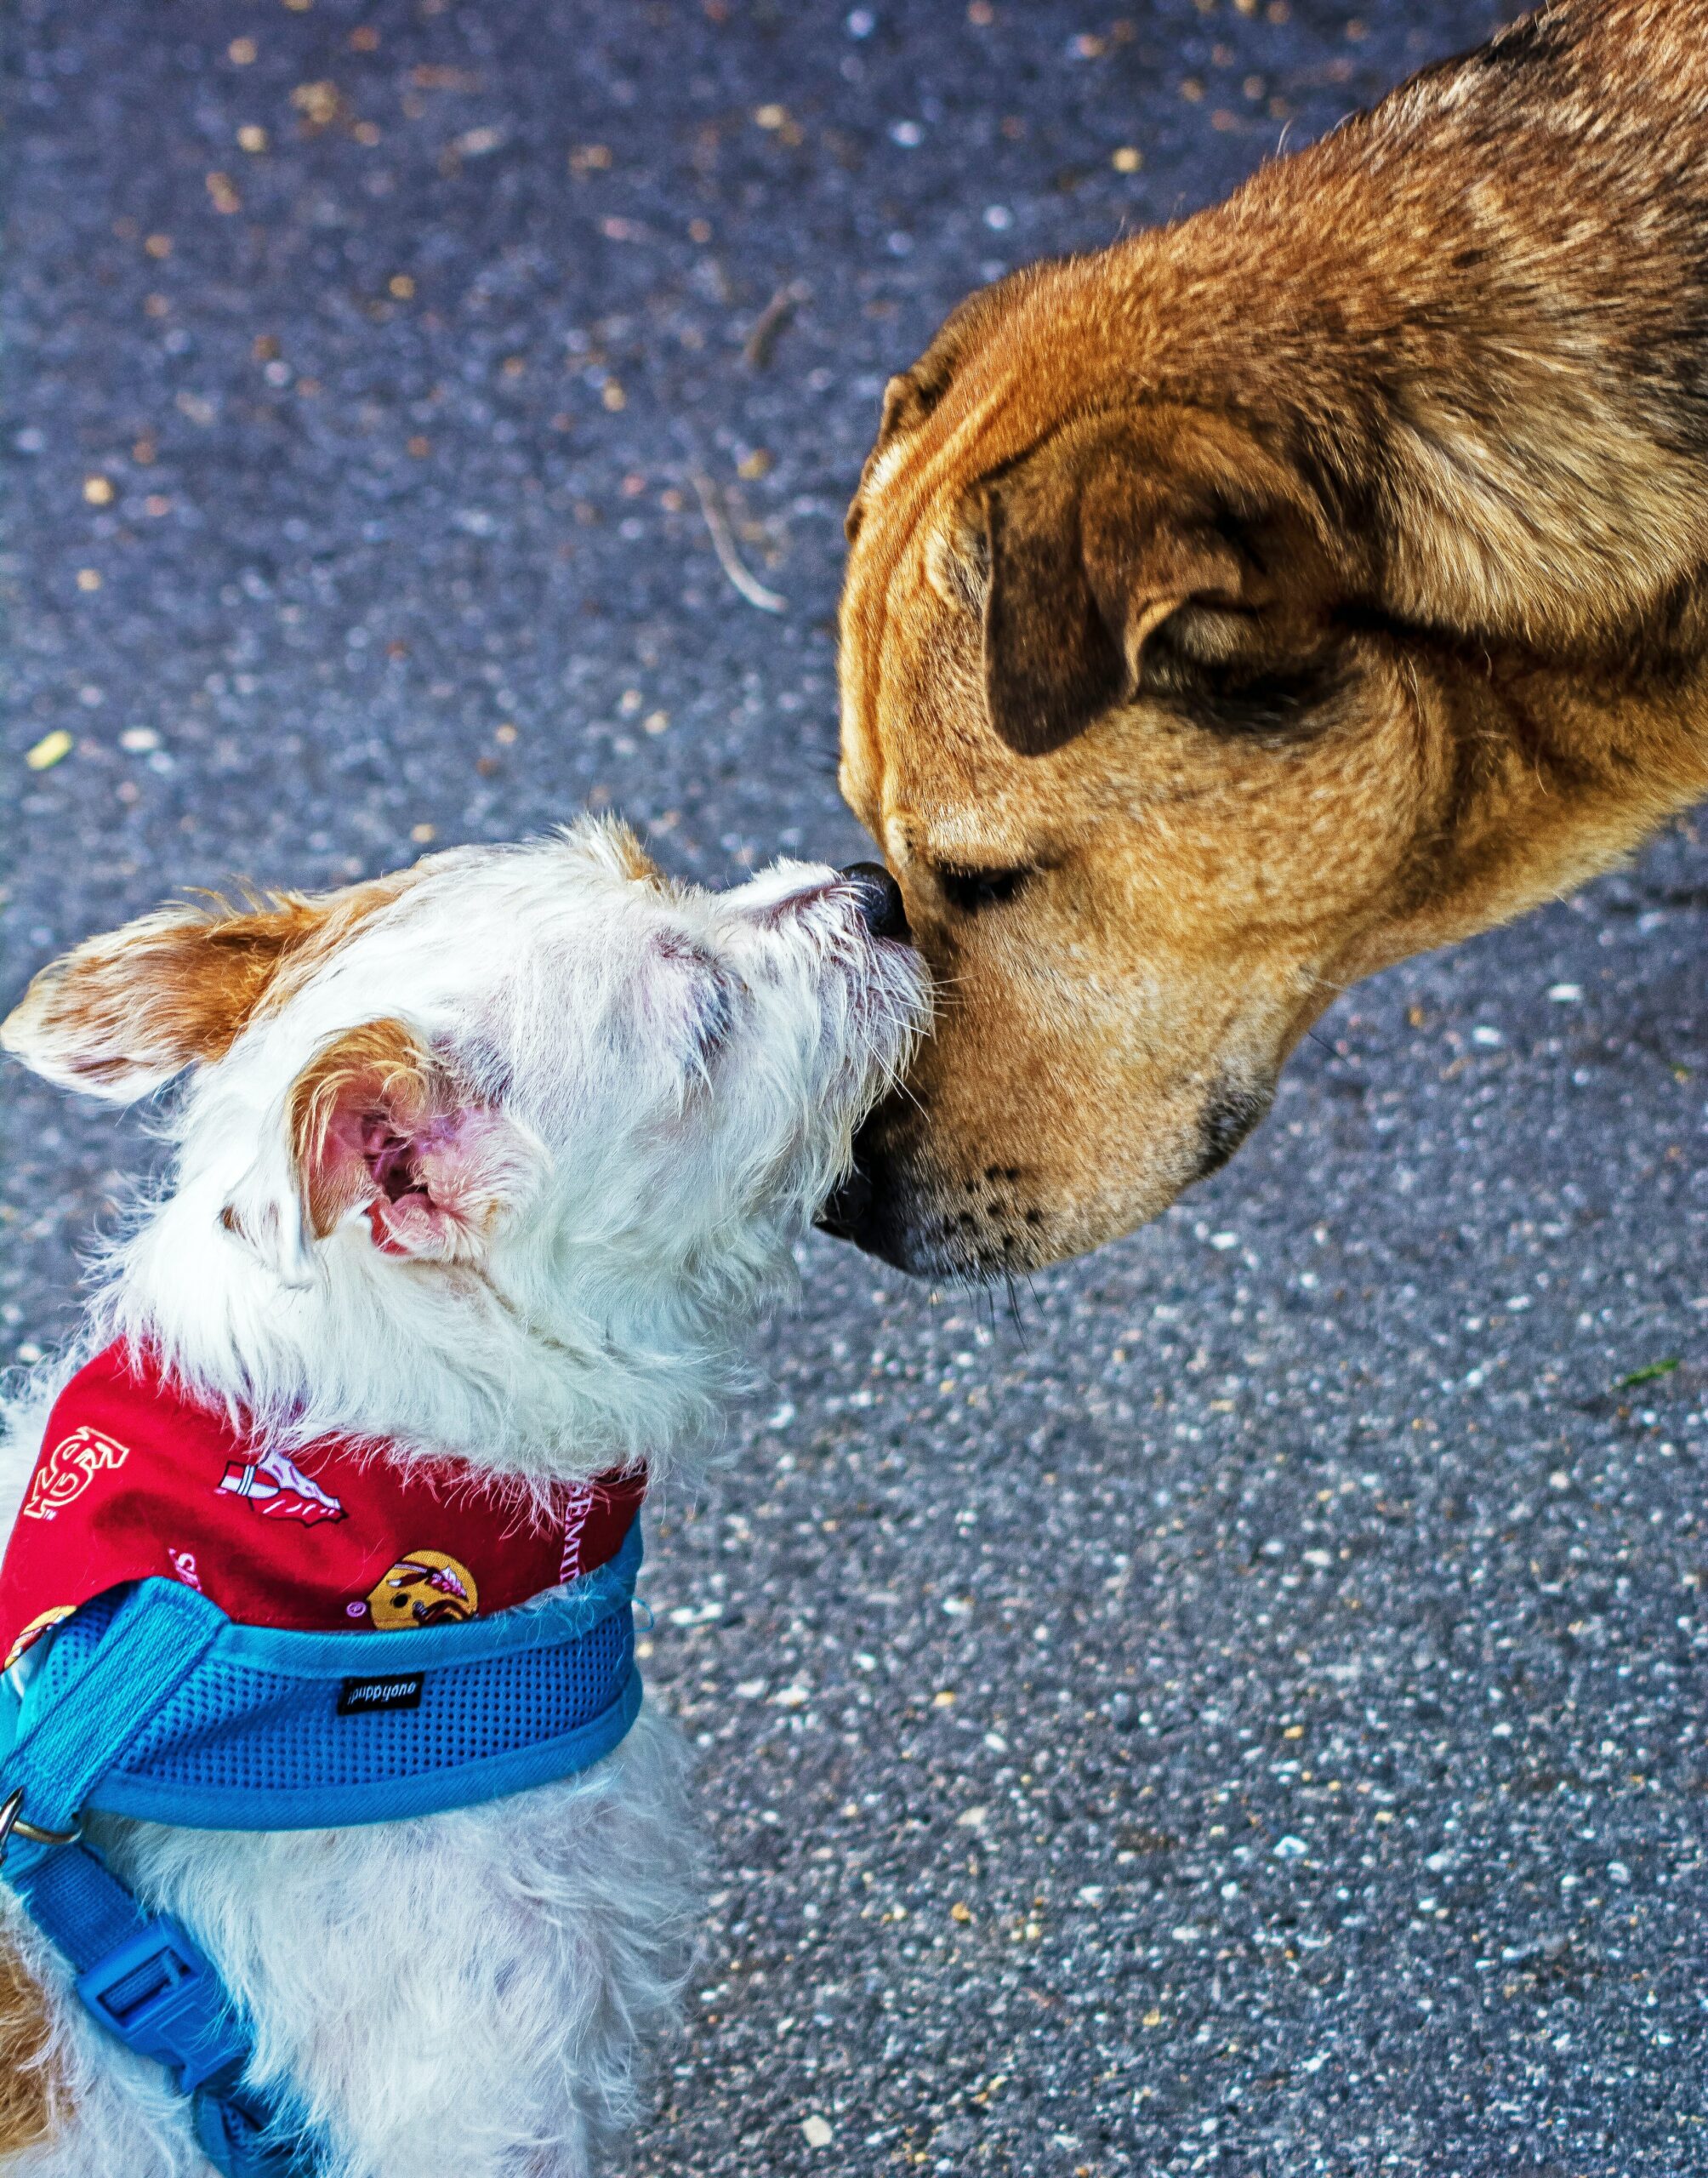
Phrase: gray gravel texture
x=1243 y=1716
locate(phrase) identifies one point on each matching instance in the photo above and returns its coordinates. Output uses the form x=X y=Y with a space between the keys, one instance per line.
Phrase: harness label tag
x=357 y=1697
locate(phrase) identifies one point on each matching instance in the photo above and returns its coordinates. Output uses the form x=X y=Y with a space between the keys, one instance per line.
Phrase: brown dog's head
x=1100 y=716
x=1183 y=684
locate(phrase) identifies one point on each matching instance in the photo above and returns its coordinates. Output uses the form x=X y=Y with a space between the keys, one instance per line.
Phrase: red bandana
x=135 y=1478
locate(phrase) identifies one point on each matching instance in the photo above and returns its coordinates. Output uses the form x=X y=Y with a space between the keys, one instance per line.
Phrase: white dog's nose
x=879 y=899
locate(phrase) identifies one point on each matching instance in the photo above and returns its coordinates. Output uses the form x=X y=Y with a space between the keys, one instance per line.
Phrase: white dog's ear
x=379 y=1123
x=122 y=1014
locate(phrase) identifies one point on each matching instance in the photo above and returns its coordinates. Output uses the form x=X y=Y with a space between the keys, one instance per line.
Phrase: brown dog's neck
x=1545 y=774
x=1472 y=318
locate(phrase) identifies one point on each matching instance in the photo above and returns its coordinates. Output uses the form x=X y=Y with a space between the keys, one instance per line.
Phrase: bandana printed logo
x=576 y=1512
x=426 y=1588
x=183 y=1566
x=280 y=1490
x=69 y=1469
x=34 y=1631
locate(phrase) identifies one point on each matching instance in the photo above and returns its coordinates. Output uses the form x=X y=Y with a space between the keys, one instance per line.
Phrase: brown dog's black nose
x=880 y=900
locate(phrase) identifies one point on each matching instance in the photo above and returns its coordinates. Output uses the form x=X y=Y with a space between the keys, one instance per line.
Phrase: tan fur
x=178 y=984
x=1240 y=610
x=30 y=2096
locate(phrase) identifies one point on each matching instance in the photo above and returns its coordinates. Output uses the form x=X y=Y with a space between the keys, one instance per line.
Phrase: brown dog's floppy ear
x=122 y=1014
x=1097 y=550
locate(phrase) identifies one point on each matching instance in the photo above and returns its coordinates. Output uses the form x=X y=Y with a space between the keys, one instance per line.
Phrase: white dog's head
x=501 y=1156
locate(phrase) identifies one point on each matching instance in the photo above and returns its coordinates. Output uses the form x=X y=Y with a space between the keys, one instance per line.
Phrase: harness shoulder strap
x=158 y=1635
x=140 y=1975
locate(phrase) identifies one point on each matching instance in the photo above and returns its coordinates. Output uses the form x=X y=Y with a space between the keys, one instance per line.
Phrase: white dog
x=486 y=1170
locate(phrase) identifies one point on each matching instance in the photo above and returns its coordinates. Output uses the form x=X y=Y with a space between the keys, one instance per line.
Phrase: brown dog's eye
x=973 y=890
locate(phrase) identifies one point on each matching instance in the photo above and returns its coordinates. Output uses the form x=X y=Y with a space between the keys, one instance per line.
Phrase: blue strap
x=140 y=1975
x=158 y=1635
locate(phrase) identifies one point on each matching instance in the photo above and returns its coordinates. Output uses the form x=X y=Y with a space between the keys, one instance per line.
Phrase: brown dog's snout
x=880 y=900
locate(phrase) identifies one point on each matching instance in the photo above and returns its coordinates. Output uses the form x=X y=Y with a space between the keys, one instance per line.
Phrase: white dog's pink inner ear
x=378 y=1122
x=437 y=1188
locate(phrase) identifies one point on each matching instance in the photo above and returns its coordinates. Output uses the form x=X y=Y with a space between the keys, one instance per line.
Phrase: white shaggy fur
x=667 y=1082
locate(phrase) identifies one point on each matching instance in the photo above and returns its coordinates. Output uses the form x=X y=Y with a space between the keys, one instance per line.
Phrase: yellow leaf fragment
x=52 y=749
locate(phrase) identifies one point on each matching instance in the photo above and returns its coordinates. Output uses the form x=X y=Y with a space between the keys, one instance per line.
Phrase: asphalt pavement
x=1240 y=1712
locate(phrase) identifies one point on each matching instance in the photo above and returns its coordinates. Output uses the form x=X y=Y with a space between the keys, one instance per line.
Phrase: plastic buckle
x=160 y=1997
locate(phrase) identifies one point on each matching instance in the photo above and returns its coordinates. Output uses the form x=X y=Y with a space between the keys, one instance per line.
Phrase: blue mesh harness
x=151 y=1702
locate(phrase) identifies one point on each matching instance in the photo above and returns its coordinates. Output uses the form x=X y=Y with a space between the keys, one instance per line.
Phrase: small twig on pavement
x=723 y=545
x=762 y=338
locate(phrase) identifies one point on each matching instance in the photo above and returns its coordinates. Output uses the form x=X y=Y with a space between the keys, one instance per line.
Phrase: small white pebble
x=1487 y=1037
x=819 y=2133
x=1565 y=994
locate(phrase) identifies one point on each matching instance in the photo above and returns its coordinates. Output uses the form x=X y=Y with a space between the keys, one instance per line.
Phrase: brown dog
x=1268 y=597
